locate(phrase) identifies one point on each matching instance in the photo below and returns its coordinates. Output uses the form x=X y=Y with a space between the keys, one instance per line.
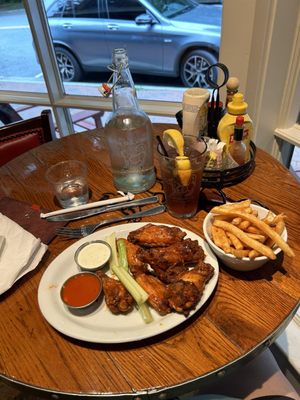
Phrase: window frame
x=256 y=59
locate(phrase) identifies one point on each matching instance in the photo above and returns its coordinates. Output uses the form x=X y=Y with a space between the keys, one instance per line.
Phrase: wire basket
x=228 y=177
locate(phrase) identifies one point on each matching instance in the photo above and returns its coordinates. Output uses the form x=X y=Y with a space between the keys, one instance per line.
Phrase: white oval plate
x=102 y=326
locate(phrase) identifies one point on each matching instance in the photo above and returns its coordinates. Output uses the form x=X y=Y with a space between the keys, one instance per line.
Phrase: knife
x=86 y=213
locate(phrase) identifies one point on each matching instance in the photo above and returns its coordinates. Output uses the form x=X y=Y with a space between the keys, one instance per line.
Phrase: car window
x=172 y=8
x=56 y=9
x=126 y=10
x=74 y=9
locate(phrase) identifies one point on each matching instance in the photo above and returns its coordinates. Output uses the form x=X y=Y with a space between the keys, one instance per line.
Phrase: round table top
x=245 y=313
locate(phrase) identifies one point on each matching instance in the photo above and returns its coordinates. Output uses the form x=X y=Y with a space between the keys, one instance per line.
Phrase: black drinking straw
x=162 y=146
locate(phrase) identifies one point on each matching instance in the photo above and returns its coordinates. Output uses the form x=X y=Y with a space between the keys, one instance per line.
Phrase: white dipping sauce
x=93 y=255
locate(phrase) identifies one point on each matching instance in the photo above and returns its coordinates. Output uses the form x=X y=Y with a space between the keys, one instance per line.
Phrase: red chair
x=18 y=137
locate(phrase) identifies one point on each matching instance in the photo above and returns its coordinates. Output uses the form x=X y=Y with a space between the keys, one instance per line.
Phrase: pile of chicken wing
x=169 y=267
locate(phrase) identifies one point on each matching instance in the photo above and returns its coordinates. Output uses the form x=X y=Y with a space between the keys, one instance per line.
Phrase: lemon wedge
x=174 y=139
x=183 y=169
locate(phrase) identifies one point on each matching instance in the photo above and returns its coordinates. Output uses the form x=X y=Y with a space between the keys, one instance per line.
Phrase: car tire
x=193 y=68
x=68 y=66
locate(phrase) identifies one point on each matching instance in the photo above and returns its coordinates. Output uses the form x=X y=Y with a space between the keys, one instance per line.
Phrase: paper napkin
x=28 y=217
x=21 y=252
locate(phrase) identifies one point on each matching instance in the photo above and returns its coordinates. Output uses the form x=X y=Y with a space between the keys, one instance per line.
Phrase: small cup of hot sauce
x=81 y=292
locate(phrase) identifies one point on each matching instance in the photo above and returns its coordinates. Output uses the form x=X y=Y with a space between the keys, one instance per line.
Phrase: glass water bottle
x=128 y=132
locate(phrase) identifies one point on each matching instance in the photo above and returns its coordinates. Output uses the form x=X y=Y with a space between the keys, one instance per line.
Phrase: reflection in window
x=124 y=10
x=74 y=9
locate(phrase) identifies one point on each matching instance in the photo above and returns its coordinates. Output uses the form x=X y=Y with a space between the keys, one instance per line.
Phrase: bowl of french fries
x=245 y=236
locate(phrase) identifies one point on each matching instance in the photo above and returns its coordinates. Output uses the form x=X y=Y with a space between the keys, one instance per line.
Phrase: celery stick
x=121 y=246
x=145 y=312
x=118 y=264
x=111 y=240
x=136 y=291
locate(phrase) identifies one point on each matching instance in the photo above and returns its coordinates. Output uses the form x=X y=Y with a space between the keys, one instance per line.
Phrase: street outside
x=18 y=60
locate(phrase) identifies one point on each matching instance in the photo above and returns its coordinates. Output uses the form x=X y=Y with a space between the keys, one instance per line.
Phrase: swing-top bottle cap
x=120 y=57
x=237 y=106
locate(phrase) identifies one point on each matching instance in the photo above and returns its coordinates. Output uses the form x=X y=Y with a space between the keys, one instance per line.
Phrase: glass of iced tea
x=181 y=176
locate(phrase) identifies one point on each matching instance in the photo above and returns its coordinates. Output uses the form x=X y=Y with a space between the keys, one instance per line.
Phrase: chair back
x=21 y=136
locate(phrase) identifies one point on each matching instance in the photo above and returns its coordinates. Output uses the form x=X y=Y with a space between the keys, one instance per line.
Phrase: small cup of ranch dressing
x=92 y=255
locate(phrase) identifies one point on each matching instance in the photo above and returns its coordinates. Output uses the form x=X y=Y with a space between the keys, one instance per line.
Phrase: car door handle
x=67 y=25
x=113 y=27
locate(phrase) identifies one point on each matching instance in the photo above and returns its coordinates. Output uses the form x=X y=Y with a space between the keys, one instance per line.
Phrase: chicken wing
x=206 y=270
x=157 y=292
x=171 y=274
x=152 y=235
x=199 y=275
x=136 y=266
x=186 y=251
x=117 y=298
x=183 y=296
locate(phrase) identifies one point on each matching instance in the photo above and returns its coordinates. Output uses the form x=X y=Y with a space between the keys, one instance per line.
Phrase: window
x=176 y=42
x=74 y=9
x=126 y=10
x=267 y=51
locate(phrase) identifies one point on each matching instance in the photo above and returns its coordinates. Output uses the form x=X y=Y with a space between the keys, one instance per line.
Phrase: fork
x=85 y=230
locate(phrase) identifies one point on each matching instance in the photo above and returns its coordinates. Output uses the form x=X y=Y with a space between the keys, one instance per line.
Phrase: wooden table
x=245 y=314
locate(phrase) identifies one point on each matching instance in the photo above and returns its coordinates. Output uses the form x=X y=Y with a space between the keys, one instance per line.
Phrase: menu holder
x=28 y=217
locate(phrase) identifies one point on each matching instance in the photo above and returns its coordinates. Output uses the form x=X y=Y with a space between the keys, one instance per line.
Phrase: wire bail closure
x=105 y=89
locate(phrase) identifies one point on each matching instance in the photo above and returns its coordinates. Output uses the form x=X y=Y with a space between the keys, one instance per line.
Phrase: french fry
x=253 y=254
x=235 y=241
x=260 y=238
x=232 y=206
x=244 y=225
x=236 y=221
x=252 y=229
x=253 y=244
x=279 y=227
x=240 y=253
x=280 y=218
x=220 y=239
x=263 y=227
x=268 y=218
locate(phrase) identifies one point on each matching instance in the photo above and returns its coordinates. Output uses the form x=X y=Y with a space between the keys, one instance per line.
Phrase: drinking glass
x=69 y=181
x=182 y=188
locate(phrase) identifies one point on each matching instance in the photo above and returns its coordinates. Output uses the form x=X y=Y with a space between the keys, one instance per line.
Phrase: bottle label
x=227 y=132
x=245 y=136
x=130 y=152
x=133 y=155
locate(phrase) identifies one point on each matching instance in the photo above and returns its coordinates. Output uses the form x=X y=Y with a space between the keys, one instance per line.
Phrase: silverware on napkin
x=86 y=213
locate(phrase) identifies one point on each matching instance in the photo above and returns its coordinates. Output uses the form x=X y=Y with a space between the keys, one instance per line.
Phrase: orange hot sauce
x=81 y=289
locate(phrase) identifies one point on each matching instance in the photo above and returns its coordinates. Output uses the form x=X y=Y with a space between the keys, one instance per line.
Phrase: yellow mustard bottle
x=225 y=129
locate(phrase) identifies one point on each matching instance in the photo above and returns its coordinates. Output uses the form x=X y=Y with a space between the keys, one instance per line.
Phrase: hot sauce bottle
x=238 y=149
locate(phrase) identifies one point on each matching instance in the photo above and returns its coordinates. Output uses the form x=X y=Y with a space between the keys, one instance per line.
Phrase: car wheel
x=194 y=66
x=68 y=66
